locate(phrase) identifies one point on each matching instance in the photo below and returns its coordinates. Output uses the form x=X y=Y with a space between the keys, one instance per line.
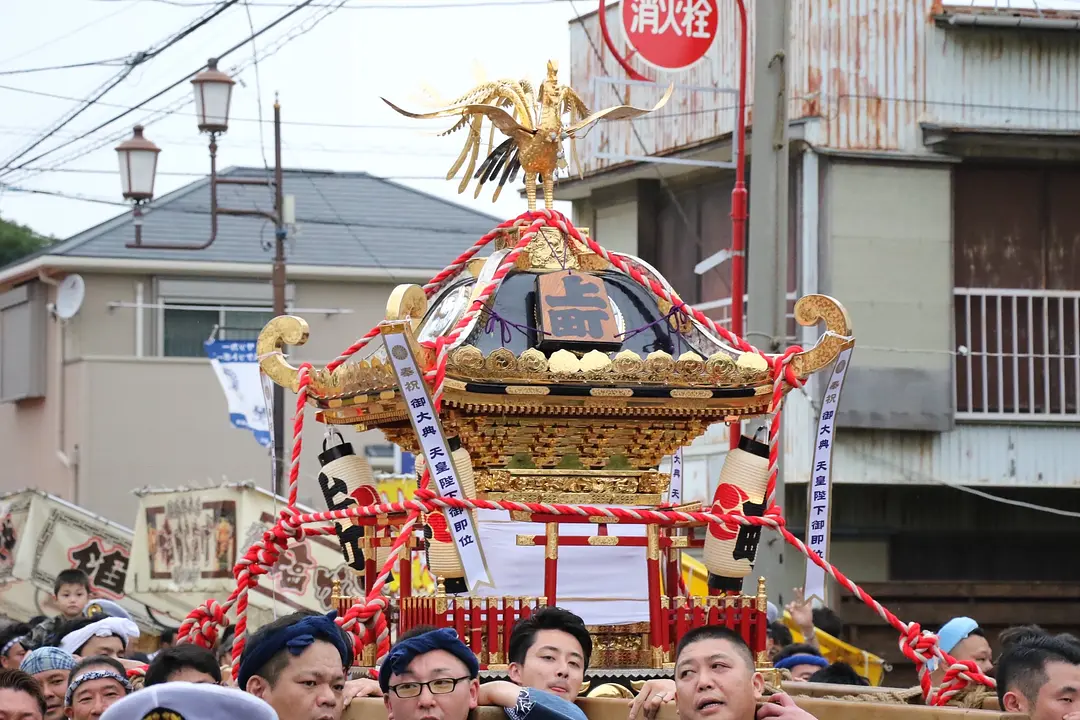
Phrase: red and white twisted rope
x=433 y=286
x=918 y=645
x=374 y=602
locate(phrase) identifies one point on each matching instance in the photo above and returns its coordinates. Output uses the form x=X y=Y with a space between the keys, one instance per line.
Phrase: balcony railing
x=1018 y=354
x=720 y=312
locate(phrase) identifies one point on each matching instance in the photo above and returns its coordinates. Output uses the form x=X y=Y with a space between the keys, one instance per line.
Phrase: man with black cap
x=432 y=675
x=298 y=665
x=190 y=701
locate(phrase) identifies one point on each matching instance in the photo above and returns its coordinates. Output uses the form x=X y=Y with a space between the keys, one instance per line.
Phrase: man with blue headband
x=298 y=665
x=431 y=674
x=962 y=638
x=800 y=660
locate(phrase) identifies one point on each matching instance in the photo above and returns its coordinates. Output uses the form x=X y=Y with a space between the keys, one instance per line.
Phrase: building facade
x=122 y=396
x=933 y=159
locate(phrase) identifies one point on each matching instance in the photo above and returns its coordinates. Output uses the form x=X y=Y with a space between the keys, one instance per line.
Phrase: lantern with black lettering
x=346 y=480
x=729 y=554
x=443 y=560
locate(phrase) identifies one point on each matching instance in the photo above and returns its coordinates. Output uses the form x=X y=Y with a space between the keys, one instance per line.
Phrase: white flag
x=819 y=508
x=237 y=368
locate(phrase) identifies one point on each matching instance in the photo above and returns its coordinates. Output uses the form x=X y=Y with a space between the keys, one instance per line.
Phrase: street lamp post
x=138 y=167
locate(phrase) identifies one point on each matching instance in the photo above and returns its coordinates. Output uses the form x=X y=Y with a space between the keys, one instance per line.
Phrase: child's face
x=72 y=599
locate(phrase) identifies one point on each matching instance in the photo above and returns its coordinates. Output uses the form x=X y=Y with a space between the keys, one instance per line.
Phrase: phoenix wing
x=574 y=106
x=619 y=112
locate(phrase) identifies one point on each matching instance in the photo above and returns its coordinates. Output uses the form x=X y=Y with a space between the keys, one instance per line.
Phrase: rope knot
x=959 y=675
x=919 y=645
x=288 y=524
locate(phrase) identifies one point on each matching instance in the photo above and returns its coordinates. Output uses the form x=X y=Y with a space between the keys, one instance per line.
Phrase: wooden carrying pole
x=617 y=708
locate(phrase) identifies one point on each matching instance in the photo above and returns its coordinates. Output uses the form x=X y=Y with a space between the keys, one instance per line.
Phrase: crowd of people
x=78 y=667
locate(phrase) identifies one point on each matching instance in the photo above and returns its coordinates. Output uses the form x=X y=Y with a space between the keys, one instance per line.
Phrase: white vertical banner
x=820 y=486
x=429 y=433
x=675 y=489
x=237 y=369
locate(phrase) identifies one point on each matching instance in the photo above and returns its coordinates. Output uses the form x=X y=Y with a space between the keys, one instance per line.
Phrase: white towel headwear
x=121 y=627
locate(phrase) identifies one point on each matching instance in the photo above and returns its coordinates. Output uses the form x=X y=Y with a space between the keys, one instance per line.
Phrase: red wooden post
x=491 y=612
x=652 y=562
x=509 y=618
x=370 y=571
x=745 y=628
x=459 y=619
x=405 y=573
x=551 y=562
x=476 y=626
x=681 y=617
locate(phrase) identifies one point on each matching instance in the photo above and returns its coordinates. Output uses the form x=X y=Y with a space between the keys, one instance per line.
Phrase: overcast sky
x=332 y=75
x=329 y=79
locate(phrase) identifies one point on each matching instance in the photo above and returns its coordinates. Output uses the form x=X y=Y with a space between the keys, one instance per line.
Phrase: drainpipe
x=69 y=462
x=139 y=319
x=1007 y=21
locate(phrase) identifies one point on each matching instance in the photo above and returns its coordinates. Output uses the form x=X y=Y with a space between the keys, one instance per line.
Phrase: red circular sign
x=670 y=34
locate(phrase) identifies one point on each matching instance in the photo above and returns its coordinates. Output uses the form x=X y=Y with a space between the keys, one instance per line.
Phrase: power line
x=76 y=31
x=297 y=30
x=395 y=6
x=318 y=190
x=206 y=211
x=158 y=94
x=160 y=173
x=93 y=63
x=298 y=123
x=405 y=151
x=369 y=126
x=695 y=236
x=130 y=66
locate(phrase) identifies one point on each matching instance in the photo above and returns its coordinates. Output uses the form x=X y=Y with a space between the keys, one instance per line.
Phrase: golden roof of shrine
x=650 y=362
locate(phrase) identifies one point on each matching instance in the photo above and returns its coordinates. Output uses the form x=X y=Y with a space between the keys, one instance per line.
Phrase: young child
x=71 y=593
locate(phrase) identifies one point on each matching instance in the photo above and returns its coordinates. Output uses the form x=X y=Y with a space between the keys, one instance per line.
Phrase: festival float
x=540 y=387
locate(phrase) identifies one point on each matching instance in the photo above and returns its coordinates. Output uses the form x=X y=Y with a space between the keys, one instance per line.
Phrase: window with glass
x=185 y=329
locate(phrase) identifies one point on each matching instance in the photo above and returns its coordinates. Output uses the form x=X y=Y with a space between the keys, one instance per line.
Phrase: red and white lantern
x=729 y=553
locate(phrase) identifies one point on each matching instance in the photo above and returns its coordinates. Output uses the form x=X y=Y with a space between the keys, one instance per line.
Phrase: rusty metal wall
x=689 y=117
x=870 y=71
x=979 y=455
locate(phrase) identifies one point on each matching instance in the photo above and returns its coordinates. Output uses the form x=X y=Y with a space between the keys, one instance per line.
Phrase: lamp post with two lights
x=138 y=158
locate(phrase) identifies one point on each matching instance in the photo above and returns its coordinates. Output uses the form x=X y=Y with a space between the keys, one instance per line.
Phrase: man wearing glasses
x=297 y=664
x=432 y=675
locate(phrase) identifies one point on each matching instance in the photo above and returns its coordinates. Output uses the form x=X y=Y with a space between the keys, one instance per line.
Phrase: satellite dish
x=69 y=296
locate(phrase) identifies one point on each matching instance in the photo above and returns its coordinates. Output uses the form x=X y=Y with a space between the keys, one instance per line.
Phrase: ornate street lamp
x=138 y=166
x=213 y=95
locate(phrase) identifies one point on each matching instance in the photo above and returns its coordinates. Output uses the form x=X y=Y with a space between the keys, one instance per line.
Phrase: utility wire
x=395 y=6
x=93 y=63
x=158 y=94
x=206 y=211
x=65 y=36
x=177 y=173
x=736 y=142
x=297 y=30
x=367 y=126
x=133 y=63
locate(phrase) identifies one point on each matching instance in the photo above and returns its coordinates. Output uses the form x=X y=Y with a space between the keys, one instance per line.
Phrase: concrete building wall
x=887 y=256
x=119 y=421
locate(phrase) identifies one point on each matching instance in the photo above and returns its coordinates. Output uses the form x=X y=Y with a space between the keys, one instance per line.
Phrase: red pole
x=624 y=62
x=738 y=206
x=551 y=563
